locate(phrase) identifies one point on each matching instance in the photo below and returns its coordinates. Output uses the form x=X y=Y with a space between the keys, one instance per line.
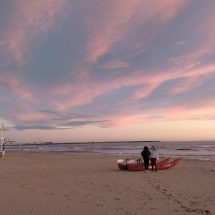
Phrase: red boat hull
x=160 y=165
x=124 y=165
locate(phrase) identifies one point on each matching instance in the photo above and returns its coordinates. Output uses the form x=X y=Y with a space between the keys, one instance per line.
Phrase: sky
x=107 y=70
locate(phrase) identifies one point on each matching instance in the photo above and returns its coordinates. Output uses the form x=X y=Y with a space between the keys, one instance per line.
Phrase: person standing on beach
x=154 y=157
x=145 y=154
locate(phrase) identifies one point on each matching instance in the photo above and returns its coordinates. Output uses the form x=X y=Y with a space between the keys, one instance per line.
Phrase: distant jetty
x=94 y=142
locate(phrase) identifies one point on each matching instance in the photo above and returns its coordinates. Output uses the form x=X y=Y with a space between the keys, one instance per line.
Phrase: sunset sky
x=105 y=70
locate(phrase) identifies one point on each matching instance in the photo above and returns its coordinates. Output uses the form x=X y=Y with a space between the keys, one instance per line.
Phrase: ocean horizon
x=202 y=150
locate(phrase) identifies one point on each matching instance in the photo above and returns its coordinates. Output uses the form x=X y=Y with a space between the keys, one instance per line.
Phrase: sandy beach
x=48 y=183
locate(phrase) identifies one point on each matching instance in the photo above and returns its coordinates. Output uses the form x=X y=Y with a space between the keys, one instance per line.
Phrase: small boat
x=123 y=164
x=160 y=165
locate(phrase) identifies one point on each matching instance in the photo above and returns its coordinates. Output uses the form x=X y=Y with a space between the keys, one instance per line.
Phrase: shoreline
x=53 y=183
x=189 y=150
x=119 y=156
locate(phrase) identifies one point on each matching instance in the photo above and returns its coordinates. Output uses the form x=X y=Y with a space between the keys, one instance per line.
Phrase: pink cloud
x=205 y=25
x=26 y=21
x=31 y=117
x=114 y=64
x=59 y=105
x=186 y=85
x=36 y=17
x=169 y=114
x=64 y=89
x=193 y=80
x=193 y=59
x=181 y=43
x=204 y=48
x=84 y=90
x=119 y=121
x=12 y=85
x=180 y=113
x=145 y=91
x=107 y=27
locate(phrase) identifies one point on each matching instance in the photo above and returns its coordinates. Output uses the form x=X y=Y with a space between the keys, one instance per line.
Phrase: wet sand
x=45 y=183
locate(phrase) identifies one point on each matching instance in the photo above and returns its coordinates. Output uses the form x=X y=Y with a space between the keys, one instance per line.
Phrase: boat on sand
x=123 y=164
x=160 y=165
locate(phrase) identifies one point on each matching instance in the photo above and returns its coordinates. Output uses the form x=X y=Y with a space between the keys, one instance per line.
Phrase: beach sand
x=40 y=183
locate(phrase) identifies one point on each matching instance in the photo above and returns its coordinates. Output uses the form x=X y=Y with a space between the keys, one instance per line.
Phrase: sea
x=202 y=150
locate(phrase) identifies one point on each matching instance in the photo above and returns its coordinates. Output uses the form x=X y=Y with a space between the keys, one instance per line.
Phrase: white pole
x=2 y=139
x=2 y=131
x=2 y=143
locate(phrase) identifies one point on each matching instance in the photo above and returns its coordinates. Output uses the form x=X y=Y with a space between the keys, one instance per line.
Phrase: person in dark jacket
x=145 y=154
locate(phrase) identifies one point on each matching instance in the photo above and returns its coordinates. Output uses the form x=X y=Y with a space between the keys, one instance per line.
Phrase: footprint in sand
x=99 y=205
x=117 y=199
